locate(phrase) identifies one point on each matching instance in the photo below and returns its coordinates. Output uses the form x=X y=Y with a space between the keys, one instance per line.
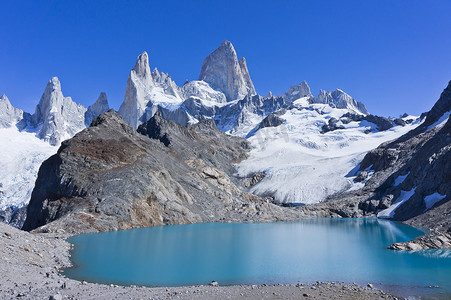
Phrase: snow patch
x=431 y=200
x=390 y=212
x=400 y=179
x=440 y=121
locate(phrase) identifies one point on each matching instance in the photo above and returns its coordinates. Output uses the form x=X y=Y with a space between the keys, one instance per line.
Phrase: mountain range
x=301 y=149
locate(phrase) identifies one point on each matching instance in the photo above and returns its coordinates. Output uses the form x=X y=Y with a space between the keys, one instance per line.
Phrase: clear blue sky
x=395 y=56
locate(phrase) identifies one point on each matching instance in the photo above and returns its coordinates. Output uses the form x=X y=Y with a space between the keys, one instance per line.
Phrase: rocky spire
x=58 y=117
x=142 y=67
x=98 y=108
x=145 y=90
x=222 y=70
x=9 y=115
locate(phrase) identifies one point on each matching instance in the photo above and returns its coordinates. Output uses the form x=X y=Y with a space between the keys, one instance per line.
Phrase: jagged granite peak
x=145 y=90
x=222 y=70
x=9 y=115
x=56 y=116
x=96 y=109
x=110 y=177
x=299 y=91
x=142 y=67
x=339 y=99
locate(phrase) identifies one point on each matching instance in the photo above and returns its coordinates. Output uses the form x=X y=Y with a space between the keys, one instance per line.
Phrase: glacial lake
x=347 y=250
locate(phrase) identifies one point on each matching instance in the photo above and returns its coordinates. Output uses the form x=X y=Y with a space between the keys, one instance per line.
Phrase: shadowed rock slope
x=110 y=177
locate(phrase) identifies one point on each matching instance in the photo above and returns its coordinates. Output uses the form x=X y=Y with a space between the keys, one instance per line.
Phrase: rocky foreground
x=30 y=265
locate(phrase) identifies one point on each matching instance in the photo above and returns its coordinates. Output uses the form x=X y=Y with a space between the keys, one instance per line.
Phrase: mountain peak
x=54 y=84
x=3 y=98
x=299 y=91
x=340 y=99
x=227 y=44
x=142 y=67
x=58 y=117
x=9 y=115
x=222 y=70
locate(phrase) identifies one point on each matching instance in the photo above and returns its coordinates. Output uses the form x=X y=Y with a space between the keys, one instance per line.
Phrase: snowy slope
x=21 y=156
x=301 y=164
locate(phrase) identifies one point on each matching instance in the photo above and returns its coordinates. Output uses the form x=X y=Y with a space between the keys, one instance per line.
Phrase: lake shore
x=31 y=263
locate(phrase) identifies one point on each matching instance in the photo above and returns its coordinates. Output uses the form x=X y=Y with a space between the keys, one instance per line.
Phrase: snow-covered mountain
x=224 y=93
x=305 y=146
x=57 y=117
x=27 y=140
x=9 y=115
x=340 y=99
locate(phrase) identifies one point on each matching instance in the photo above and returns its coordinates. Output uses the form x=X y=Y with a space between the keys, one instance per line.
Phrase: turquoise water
x=349 y=250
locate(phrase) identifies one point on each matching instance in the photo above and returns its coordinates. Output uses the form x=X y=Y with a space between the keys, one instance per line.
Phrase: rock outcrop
x=111 y=177
x=222 y=70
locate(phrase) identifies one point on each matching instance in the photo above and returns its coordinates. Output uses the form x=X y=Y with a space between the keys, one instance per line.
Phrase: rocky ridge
x=110 y=177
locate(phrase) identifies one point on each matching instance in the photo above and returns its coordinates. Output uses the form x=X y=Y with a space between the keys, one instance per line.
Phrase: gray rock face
x=340 y=99
x=58 y=117
x=99 y=107
x=111 y=177
x=9 y=115
x=222 y=70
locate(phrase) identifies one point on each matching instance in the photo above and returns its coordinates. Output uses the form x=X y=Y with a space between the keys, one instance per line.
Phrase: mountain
x=9 y=115
x=27 y=140
x=111 y=177
x=340 y=99
x=296 y=138
x=57 y=117
x=99 y=107
x=145 y=91
x=406 y=179
x=223 y=71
